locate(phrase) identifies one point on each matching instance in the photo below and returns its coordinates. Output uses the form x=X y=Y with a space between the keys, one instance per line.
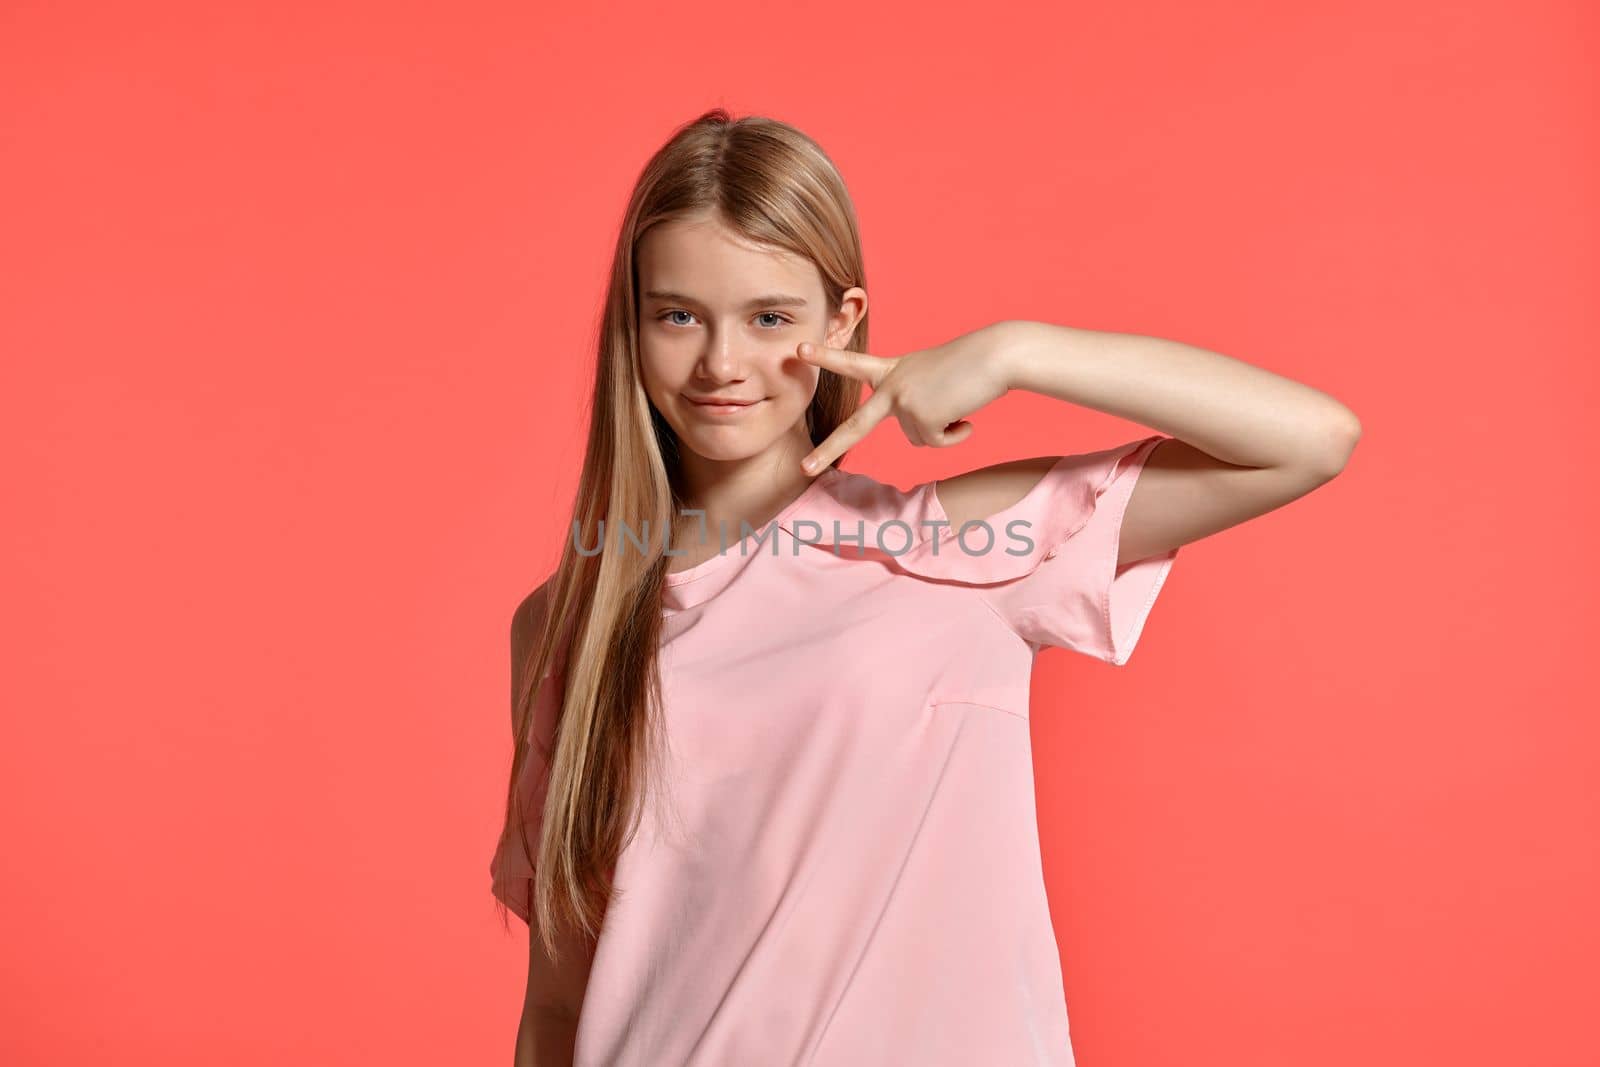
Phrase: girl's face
x=720 y=319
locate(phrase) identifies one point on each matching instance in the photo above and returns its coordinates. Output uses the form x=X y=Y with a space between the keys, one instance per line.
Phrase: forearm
x=546 y=1039
x=1229 y=409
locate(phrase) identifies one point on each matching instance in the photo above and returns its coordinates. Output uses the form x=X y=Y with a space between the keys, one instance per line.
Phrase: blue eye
x=783 y=320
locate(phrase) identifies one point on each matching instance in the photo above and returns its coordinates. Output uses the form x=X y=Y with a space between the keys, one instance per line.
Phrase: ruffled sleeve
x=511 y=868
x=1052 y=573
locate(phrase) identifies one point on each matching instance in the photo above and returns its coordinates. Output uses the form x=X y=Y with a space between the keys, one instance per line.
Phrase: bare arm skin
x=1247 y=441
x=1244 y=441
x=545 y=1039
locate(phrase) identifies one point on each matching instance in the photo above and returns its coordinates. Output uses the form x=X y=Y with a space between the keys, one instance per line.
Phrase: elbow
x=1349 y=437
x=1334 y=443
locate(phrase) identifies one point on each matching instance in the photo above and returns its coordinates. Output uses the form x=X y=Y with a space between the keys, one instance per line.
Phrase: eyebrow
x=769 y=300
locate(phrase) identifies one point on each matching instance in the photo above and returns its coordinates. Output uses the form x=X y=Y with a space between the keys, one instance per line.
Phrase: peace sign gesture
x=930 y=391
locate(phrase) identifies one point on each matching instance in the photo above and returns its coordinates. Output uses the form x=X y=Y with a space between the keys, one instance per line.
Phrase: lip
x=723 y=405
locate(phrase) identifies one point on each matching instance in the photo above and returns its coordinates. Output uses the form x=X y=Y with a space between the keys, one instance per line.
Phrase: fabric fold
x=858 y=517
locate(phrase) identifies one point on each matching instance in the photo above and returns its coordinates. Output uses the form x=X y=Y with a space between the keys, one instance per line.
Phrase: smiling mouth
x=723 y=407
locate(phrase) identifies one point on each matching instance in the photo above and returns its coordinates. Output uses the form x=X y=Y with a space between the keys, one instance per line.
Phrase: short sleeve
x=1071 y=592
x=511 y=868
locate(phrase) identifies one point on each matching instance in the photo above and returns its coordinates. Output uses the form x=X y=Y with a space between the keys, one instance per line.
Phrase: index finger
x=858 y=365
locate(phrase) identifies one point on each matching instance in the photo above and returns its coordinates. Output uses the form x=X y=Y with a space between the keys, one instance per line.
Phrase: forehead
x=702 y=258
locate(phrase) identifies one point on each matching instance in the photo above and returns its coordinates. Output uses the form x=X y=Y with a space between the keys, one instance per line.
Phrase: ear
x=842 y=324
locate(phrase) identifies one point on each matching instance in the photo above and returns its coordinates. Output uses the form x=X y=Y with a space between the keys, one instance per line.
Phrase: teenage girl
x=772 y=795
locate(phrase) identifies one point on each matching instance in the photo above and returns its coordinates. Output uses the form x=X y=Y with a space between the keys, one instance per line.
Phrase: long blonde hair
x=598 y=637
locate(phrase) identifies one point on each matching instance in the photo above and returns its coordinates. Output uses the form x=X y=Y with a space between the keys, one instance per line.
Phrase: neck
x=750 y=490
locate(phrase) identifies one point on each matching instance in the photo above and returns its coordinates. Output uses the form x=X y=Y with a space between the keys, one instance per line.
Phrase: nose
x=722 y=360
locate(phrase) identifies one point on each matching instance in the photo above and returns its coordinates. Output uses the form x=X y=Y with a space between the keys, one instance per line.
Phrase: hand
x=930 y=391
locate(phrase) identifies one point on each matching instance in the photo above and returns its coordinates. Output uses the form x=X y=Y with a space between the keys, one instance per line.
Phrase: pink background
x=299 y=305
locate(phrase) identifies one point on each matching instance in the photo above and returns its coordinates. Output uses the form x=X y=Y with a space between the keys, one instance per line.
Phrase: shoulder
x=975 y=494
x=1076 y=479
x=864 y=490
x=527 y=626
x=985 y=491
x=529 y=615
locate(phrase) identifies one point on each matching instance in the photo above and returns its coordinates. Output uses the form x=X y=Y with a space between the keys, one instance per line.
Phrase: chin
x=725 y=447
x=730 y=439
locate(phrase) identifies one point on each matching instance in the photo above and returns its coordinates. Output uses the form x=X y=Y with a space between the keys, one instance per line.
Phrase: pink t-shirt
x=853 y=874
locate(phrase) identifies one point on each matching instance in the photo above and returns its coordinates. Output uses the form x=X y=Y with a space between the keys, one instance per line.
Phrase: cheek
x=660 y=370
x=795 y=383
